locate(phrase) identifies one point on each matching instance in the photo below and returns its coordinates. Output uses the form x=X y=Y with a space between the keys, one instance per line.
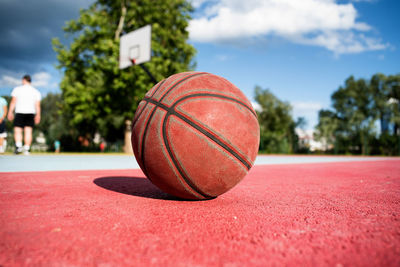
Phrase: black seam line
x=216 y=96
x=140 y=113
x=213 y=137
x=155 y=91
x=144 y=139
x=176 y=163
x=179 y=82
x=153 y=111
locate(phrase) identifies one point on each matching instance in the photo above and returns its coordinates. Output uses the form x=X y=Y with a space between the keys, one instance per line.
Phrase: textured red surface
x=188 y=119
x=334 y=214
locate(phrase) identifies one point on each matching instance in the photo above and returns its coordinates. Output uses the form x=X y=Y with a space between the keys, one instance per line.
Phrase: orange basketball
x=195 y=135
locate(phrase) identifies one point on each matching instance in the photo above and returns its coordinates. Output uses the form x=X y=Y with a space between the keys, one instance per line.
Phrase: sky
x=302 y=51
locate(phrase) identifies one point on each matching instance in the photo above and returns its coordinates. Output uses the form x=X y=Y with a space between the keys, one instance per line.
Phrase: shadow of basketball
x=134 y=186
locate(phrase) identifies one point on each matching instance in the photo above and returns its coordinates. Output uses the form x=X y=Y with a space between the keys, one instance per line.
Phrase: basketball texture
x=195 y=135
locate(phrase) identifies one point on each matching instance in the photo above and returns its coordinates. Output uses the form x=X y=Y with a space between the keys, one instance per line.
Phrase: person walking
x=3 y=114
x=25 y=102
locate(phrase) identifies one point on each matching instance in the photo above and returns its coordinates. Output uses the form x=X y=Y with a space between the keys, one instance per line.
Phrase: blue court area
x=13 y=163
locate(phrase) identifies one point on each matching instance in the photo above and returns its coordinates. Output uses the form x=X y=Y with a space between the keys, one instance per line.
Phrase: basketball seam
x=140 y=112
x=152 y=112
x=216 y=133
x=182 y=182
x=155 y=91
x=217 y=96
x=202 y=90
x=171 y=111
x=144 y=138
x=211 y=144
x=169 y=90
x=179 y=82
x=214 y=138
x=142 y=157
x=176 y=163
x=206 y=132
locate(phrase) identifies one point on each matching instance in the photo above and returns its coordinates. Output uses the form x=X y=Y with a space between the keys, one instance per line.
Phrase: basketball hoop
x=135 y=47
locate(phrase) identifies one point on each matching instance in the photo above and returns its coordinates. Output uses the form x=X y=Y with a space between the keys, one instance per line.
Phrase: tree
x=386 y=97
x=358 y=105
x=393 y=82
x=53 y=122
x=355 y=111
x=381 y=94
x=326 y=128
x=277 y=128
x=98 y=96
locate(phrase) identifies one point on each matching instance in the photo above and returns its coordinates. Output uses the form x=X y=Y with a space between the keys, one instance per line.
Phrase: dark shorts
x=24 y=120
x=3 y=126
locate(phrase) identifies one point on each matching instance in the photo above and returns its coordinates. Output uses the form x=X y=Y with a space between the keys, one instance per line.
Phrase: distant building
x=306 y=140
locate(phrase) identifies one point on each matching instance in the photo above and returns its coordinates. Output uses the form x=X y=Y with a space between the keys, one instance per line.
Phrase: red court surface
x=324 y=214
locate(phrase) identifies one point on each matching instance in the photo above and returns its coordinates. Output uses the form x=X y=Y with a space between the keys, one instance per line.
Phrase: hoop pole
x=147 y=71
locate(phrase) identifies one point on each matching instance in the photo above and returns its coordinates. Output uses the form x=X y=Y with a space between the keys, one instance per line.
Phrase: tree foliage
x=326 y=128
x=277 y=127
x=52 y=123
x=358 y=106
x=97 y=95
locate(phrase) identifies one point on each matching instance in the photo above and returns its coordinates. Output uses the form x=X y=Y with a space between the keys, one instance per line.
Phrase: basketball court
x=100 y=210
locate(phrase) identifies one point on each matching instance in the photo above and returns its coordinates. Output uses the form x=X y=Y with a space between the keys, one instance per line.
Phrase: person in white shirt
x=25 y=102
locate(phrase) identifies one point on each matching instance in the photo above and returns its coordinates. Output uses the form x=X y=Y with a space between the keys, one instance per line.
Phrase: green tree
x=356 y=114
x=357 y=106
x=98 y=96
x=53 y=122
x=393 y=82
x=326 y=128
x=381 y=94
x=386 y=97
x=277 y=127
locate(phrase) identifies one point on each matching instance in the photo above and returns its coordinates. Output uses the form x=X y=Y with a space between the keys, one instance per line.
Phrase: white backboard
x=135 y=46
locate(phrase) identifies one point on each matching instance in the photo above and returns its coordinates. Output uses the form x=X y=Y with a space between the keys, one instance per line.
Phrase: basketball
x=195 y=135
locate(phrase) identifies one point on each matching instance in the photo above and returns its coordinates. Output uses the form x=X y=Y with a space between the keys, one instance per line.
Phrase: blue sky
x=301 y=50
x=302 y=72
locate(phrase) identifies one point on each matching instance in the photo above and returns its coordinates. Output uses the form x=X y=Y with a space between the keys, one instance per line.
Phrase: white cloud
x=9 y=81
x=323 y=23
x=39 y=79
x=344 y=42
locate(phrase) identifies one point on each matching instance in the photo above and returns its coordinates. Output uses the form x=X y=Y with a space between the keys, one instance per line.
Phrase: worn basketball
x=195 y=135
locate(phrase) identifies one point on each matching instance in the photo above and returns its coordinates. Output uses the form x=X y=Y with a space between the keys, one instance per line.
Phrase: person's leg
x=1 y=145
x=3 y=142
x=27 y=138
x=2 y=135
x=18 y=139
x=18 y=135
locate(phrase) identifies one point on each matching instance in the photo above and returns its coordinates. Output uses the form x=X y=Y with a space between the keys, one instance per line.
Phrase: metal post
x=147 y=71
